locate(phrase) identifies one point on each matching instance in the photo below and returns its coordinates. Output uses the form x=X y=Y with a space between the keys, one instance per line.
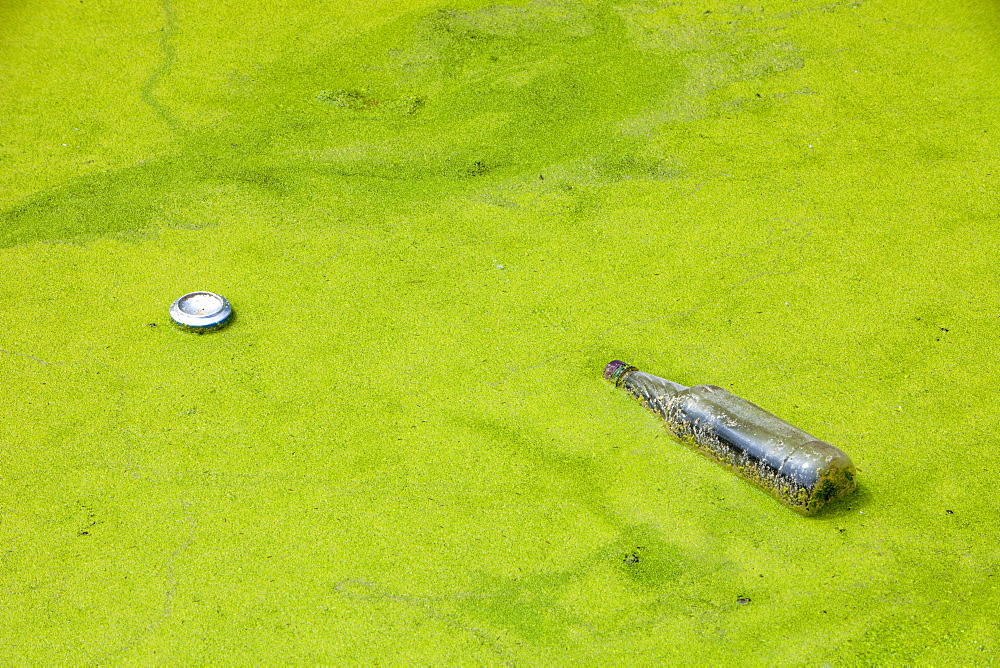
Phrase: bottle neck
x=625 y=375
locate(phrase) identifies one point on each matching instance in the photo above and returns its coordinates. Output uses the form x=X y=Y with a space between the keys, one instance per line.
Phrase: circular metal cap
x=201 y=311
x=612 y=368
x=616 y=370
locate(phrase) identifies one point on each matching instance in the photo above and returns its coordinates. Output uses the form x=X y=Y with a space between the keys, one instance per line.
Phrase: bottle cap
x=201 y=311
x=614 y=371
x=609 y=370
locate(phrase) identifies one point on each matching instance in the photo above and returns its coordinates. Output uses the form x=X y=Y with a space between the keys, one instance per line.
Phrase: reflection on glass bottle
x=798 y=469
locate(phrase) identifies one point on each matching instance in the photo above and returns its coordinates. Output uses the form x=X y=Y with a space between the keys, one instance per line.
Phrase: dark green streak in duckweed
x=169 y=55
x=90 y=206
x=536 y=606
x=533 y=106
x=642 y=560
x=502 y=91
x=576 y=473
x=450 y=102
x=128 y=200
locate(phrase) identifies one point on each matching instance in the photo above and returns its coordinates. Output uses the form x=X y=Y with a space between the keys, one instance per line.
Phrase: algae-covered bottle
x=801 y=471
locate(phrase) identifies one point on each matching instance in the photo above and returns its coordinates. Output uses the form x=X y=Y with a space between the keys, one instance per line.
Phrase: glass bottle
x=798 y=469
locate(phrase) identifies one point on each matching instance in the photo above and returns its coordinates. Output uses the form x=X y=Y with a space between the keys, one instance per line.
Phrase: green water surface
x=437 y=221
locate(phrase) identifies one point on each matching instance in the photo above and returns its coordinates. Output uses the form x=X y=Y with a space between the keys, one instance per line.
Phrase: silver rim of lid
x=201 y=310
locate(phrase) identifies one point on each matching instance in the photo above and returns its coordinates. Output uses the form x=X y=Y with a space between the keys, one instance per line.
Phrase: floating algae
x=796 y=468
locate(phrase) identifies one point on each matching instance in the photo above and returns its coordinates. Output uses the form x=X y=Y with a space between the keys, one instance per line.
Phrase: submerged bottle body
x=798 y=469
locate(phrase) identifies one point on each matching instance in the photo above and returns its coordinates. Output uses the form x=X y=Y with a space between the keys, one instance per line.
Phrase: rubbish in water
x=201 y=311
x=799 y=470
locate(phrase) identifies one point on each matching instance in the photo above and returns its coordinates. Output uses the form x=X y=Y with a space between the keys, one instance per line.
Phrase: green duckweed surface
x=437 y=221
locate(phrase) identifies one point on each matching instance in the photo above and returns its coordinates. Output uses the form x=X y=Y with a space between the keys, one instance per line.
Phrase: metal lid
x=201 y=311
x=617 y=369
